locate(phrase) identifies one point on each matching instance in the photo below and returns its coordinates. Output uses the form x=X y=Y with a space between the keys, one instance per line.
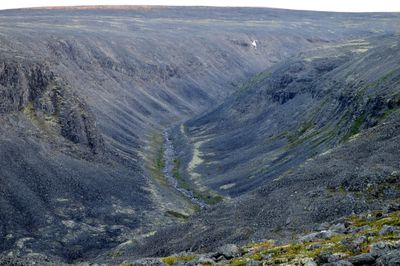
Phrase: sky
x=322 y=5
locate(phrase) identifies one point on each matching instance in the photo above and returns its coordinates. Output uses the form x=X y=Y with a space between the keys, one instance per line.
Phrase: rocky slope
x=85 y=93
x=364 y=239
x=55 y=169
x=343 y=162
x=289 y=113
x=371 y=238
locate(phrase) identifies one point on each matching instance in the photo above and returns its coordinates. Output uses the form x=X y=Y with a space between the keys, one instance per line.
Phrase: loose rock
x=229 y=251
x=362 y=259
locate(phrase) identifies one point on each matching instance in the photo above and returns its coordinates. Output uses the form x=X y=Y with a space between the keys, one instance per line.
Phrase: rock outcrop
x=33 y=88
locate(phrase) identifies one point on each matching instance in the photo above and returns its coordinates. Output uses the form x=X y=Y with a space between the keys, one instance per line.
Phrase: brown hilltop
x=102 y=7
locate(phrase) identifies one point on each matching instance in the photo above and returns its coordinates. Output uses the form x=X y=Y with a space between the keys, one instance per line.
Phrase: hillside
x=89 y=98
x=289 y=113
x=344 y=162
x=365 y=239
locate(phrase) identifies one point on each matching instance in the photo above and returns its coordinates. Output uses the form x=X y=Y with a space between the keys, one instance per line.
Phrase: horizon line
x=151 y=6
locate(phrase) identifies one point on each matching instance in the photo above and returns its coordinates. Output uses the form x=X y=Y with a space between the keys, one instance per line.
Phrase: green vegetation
x=294 y=137
x=42 y=121
x=208 y=198
x=388 y=112
x=355 y=127
x=307 y=132
x=117 y=253
x=29 y=110
x=172 y=259
x=252 y=83
x=341 y=189
x=304 y=127
x=177 y=214
x=205 y=196
x=160 y=162
x=393 y=219
x=275 y=254
x=155 y=161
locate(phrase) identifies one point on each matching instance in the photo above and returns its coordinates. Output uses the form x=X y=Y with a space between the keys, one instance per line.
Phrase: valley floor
x=170 y=171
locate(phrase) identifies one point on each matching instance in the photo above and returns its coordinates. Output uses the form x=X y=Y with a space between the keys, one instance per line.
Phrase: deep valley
x=132 y=132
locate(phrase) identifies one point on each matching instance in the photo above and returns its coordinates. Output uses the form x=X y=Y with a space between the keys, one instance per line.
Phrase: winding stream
x=169 y=155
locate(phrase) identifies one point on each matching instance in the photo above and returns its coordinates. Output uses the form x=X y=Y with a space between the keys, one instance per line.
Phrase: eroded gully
x=169 y=156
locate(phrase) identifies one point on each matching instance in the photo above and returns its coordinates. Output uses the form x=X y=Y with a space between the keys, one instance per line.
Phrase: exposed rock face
x=78 y=123
x=22 y=82
x=33 y=87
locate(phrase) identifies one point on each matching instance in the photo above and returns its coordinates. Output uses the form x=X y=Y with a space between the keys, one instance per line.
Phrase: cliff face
x=34 y=89
x=22 y=83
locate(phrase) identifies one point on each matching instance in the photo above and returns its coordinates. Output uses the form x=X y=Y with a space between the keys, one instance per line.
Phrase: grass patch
x=308 y=133
x=160 y=162
x=176 y=174
x=172 y=259
x=253 y=82
x=355 y=127
x=387 y=113
x=239 y=262
x=205 y=196
x=271 y=254
x=155 y=158
x=116 y=253
x=393 y=219
x=208 y=198
x=38 y=118
x=177 y=214
x=294 y=138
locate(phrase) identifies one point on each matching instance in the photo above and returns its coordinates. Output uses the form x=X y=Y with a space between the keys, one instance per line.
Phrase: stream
x=169 y=156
